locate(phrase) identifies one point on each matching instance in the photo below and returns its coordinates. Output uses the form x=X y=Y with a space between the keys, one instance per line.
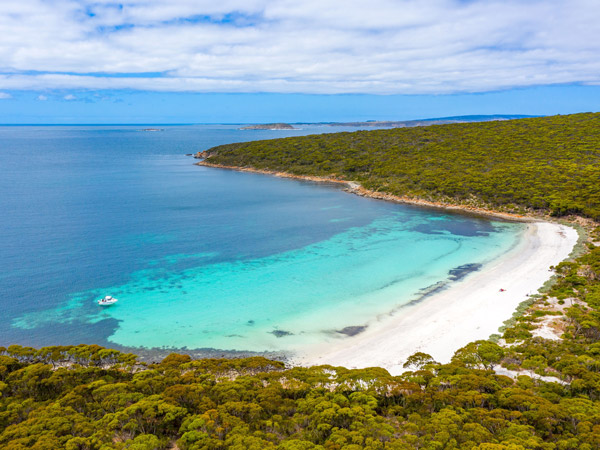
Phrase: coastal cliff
x=202 y=154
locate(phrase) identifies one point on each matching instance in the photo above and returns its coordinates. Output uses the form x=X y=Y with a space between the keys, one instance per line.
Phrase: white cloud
x=313 y=46
x=69 y=97
x=5 y=95
x=42 y=97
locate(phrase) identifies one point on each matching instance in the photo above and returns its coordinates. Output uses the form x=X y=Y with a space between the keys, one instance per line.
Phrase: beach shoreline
x=471 y=309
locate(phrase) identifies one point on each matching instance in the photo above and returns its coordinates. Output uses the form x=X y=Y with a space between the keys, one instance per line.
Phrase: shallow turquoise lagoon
x=291 y=299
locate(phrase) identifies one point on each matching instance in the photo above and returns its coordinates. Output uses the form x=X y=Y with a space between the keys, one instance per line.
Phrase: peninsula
x=538 y=166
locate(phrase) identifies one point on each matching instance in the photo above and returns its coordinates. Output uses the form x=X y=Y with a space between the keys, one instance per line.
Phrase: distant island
x=269 y=126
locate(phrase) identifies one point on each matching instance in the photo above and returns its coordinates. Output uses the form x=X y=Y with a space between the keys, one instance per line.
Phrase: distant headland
x=269 y=126
x=427 y=122
x=391 y=123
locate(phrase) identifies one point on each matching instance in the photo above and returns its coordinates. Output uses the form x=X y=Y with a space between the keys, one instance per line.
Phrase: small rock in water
x=460 y=272
x=281 y=333
x=352 y=330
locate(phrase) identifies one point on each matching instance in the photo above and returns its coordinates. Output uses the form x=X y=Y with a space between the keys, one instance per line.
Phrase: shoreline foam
x=470 y=309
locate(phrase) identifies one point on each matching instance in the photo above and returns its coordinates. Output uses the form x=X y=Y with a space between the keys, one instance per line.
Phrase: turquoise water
x=208 y=258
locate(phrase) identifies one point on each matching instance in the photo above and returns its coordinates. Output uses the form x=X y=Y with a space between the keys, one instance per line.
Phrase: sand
x=471 y=309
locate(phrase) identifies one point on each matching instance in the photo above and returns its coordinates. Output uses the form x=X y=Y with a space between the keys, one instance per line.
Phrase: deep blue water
x=202 y=257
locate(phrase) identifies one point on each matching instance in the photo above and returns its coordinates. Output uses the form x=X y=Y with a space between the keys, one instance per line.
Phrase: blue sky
x=167 y=107
x=232 y=61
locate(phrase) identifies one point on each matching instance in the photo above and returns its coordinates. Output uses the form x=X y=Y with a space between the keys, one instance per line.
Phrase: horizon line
x=270 y=122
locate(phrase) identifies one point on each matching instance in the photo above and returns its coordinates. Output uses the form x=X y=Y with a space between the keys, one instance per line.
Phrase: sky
x=232 y=61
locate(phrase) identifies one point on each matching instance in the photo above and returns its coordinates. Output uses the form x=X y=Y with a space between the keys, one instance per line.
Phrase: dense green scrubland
x=549 y=164
x=86 y=397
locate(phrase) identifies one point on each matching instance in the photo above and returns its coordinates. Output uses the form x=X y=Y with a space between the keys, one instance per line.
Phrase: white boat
x=107 y=301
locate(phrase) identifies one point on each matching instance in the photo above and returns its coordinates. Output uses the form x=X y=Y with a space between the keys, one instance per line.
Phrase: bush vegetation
x=549 y=164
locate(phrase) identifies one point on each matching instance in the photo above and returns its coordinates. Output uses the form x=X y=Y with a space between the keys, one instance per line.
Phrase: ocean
x=204 y=258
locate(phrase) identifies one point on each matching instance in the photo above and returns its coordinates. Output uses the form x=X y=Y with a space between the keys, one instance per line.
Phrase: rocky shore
x=357 y=189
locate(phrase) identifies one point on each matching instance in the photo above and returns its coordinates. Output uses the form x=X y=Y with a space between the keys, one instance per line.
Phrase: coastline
x=357 y=189
x=469 y=310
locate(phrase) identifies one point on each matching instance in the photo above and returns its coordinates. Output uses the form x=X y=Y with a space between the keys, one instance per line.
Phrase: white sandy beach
x=471 y=309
